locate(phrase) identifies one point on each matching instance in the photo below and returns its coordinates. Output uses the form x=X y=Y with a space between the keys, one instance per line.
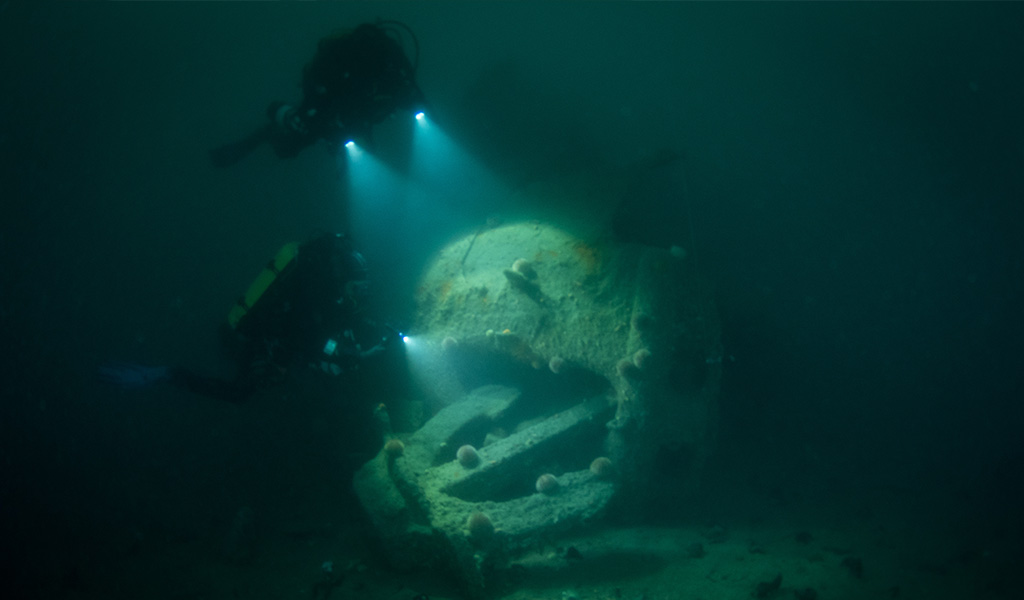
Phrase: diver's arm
x=348 y=349
x=229 y=154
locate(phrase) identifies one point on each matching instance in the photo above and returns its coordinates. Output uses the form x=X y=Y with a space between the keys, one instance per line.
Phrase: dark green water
x=849 y=177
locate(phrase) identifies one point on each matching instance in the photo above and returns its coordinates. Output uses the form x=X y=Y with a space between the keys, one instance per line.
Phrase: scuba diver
x=357 y=78
x=307 y=305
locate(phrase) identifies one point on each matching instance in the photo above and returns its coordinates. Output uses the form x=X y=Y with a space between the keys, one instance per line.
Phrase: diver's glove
x=131 y=375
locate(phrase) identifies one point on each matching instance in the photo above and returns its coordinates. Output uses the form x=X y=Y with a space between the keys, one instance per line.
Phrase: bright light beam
x=375 y=192
x=438 y=163
x=433 y=368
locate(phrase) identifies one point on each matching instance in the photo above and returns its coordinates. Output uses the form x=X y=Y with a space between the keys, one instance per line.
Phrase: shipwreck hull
x=544 y=352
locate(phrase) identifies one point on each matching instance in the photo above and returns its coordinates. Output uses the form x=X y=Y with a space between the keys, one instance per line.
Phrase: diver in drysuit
x=307 y=307
x=357 y=78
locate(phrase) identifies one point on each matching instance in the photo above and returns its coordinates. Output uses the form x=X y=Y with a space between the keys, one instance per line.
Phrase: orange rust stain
x=540 y=255
x=444 y=290
x=587 y=255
